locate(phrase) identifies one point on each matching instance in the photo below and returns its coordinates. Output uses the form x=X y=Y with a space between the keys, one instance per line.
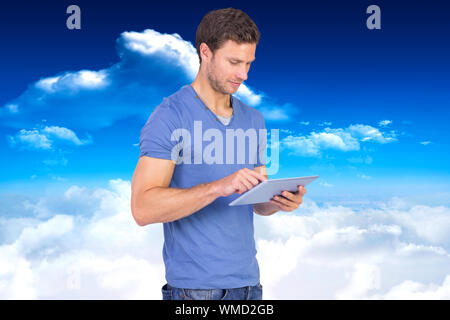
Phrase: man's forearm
x=164 y=204
x=265 y=209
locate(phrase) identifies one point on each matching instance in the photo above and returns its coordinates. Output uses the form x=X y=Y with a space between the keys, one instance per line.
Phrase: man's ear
x=205 y=52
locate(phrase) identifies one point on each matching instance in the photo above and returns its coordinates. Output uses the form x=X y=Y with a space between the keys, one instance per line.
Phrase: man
x=209 y=247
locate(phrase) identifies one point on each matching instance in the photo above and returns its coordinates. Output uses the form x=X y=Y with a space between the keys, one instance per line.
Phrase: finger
x=301 y=189
x=280 y=205
x=295 y=197
x=241 y=188
x=246 y=182
x=254 y=181
x=288 y=195
x=284 y=201
x=242 y=174
x=258 y=175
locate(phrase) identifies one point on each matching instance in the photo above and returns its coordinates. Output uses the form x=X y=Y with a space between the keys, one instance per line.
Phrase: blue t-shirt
x=213 y=248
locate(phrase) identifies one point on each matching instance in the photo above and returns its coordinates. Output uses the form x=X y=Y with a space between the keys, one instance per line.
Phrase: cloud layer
x=393 y=251
x=85 y=244
x=80 y=244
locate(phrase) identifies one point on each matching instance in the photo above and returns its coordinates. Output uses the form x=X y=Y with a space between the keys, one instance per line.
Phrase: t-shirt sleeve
x=155 y=137
x=262 y=142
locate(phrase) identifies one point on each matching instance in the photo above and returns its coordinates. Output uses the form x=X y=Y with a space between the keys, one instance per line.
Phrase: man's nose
x=242 y=74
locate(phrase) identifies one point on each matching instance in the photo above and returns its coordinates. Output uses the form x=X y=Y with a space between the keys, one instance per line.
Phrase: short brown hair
x=221 y=25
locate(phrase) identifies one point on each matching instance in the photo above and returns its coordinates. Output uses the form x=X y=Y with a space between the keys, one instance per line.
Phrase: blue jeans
x=244 y=293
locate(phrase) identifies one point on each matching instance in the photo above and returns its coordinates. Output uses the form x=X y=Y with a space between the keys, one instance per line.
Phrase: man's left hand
x=288 y=201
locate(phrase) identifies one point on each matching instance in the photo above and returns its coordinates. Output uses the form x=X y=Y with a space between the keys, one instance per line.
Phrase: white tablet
x=265 y=190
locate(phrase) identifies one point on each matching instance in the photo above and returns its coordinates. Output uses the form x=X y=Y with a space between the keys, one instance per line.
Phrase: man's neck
x=219 y=103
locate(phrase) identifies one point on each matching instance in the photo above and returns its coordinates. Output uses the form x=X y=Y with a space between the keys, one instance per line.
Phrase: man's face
x=229 y=65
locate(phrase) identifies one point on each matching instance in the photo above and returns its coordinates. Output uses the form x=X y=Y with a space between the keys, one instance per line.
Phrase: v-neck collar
x=212 y=114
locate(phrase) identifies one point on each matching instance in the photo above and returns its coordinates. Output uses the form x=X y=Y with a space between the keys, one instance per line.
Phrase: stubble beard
x=215 y=83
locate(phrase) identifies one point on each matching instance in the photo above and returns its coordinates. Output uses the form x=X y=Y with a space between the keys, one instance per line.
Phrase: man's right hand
x=240 y=182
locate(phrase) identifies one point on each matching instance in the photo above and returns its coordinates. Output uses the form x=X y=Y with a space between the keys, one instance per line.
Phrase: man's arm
x=267 y=208
x=153 y=201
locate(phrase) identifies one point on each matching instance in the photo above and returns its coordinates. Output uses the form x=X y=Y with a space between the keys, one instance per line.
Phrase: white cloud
x=384 y=123
x=287 y=131
x=366 y=159
x=365 y=278
x=335 y=139
x=30 y=139
x=425 y=143
x=412 y=290
x=175 y=50
x=101 y=253
x=300 y=145
x=54 y=162
x=12 y=108
x=275 y=114
x=365 y=133
x=45 y=138
x=248 y=95
x=326 y=184
x=431 y=224
x=341 y=253
x=47 y=83
x=70 y=82
x=35 y=238
x=411 y=248
x=342 y=139
x=63 y=134
x=92 y=99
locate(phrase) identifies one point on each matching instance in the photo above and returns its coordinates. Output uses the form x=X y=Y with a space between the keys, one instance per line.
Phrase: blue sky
x=366 y=110
x=318 y=68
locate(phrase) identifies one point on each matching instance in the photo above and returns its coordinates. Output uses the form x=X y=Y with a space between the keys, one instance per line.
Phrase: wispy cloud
x=384 y=123
x=366 y=160
x=72 y=82
x=366 y=133
x=364 y=177
x=325 y=124
x=326 y=184
x=31 y=139
x=342 y=139
x=277 y=113
x=45 y=138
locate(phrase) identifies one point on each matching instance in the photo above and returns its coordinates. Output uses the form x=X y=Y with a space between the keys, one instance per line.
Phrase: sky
x=366 y=110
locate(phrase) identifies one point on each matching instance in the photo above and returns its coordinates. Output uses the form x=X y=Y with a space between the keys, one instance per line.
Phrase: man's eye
x=232 y=62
